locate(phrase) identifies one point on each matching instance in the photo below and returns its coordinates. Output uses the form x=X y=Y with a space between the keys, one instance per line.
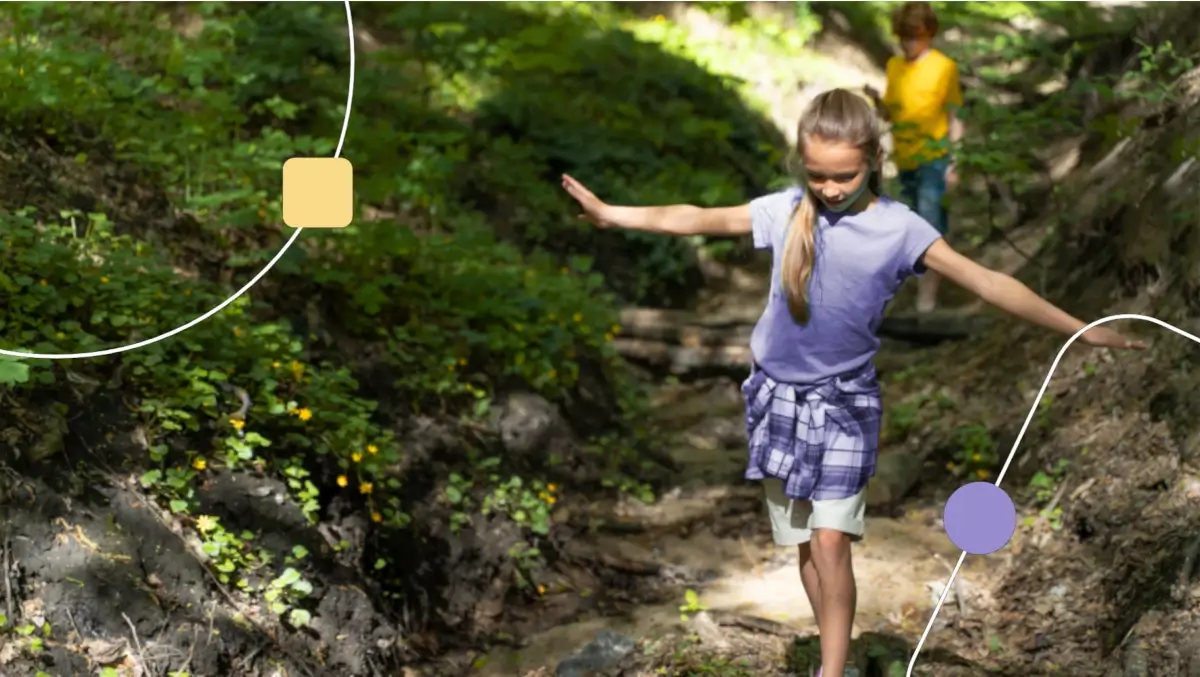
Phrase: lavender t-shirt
x=862 y=259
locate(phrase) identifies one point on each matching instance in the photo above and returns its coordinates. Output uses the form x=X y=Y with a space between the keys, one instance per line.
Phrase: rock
x=896 y=474
x=603 y=653
x=528 y=422
x=52 y=430
x=709 y=632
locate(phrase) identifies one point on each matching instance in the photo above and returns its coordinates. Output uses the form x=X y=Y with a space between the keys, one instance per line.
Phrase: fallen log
x=683 y=360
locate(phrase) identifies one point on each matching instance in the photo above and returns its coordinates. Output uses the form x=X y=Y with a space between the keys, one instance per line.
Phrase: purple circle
x=980 y=518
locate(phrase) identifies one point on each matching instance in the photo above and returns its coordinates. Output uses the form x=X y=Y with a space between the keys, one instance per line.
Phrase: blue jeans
x=924 y=190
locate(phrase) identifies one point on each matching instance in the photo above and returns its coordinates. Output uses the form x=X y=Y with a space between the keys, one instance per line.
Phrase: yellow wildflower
x=237 y=423
x=103 y=280
x=199 y=464
x=342 y=481
x=977 y=457
x=983 y=474
x=541 y=589
x=550 y=500
x=206 y=523
x=462 y=361
x=551 y=487
x=578 y=317
x=372 y=449
x=375 y=516
x=304 y=413
x=237 y=331
x=275 y=365
x=44 y=283
x=365 y=487
x=950 y=466
x=356 y=456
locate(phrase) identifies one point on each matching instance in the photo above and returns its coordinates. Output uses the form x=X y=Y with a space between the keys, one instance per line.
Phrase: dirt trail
x=713 y=529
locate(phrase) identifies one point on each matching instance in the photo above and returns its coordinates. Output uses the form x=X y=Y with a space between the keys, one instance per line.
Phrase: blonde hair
x=837 y=116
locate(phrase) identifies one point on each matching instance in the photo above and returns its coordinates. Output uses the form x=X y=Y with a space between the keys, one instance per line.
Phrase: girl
x=840 y=251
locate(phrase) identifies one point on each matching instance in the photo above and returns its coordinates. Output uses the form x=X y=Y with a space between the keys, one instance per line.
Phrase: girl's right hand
x=594 y=210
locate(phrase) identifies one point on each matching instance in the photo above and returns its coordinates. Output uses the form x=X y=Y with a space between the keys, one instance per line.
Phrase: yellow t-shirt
x=919 y=97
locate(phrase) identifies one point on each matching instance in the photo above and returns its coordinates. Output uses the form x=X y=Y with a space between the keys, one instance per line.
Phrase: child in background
x=921 y=101
x=840 y=251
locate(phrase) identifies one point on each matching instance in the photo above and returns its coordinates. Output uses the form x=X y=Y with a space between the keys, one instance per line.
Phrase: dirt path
x=713 y=528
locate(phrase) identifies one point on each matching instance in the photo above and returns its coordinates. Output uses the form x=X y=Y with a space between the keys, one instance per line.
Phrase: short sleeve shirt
x=861 y=261
x=920 y=95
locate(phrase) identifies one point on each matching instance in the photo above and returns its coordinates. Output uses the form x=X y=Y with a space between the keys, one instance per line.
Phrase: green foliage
x=1019 y=102
x=976 y=456
x=65 y=298
x=479 y=281
x=691 y=605
x=553 y=88
x=460 y=315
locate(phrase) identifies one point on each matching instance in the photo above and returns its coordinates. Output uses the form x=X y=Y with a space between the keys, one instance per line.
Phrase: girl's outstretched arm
x=1009 y=295
x=667 y=220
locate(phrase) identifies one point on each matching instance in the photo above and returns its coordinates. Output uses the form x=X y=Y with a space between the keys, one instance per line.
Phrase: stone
x=603 y=653
x=527 y=422
x=896 y=474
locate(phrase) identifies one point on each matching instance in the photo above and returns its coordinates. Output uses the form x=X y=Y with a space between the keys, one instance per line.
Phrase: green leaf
x=288 y=577
x=12 y=371
x=299 y=618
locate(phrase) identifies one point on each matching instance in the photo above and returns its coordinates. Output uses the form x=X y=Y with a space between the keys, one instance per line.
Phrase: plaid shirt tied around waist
x=820 y=440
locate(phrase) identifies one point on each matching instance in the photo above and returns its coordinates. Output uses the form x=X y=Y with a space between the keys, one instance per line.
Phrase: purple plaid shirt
x=820 y=440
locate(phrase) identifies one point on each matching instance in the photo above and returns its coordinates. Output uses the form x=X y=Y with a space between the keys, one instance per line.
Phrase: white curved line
x=221 y=306
x=1017 y=443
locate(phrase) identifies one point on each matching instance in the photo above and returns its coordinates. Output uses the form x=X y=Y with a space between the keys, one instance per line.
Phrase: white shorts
x=792 y=522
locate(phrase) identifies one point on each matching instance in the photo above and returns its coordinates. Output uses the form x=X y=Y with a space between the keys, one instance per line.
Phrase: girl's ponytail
x=840 y=116
x=800 y=257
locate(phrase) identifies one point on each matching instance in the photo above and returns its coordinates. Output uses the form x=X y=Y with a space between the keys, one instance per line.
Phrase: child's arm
x=1009 y=295
x=667 y=220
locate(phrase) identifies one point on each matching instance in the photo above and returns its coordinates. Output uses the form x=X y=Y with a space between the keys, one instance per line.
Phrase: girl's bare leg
x=810 y=580
x=831 y=557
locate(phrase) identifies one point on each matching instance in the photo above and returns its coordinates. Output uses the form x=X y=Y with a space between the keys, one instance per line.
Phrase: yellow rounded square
x=318 y=192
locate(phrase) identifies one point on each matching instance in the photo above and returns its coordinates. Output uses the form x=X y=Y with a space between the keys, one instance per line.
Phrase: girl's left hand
x=1100 y=337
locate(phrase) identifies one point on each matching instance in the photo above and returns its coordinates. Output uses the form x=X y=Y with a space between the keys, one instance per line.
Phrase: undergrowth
x=465 y=275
